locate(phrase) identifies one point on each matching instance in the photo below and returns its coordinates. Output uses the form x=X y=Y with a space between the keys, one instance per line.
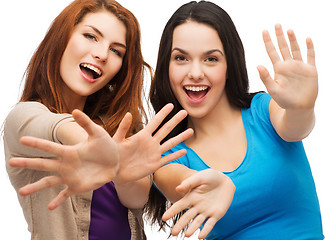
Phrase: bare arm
x=167 y=184
x=134 y=195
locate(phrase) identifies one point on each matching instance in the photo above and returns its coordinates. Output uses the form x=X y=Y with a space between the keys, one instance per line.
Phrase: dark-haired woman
x=245 y=174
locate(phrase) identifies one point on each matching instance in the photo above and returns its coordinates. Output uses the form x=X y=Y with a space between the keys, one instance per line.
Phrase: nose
x=100 y=53
x=196 y=72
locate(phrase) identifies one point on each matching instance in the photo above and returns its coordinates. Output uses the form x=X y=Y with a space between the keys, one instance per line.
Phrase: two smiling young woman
x=245 y=174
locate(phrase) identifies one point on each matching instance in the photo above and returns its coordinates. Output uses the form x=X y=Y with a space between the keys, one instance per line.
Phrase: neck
x=72 y=101
x=71 y=104
x=218 y=121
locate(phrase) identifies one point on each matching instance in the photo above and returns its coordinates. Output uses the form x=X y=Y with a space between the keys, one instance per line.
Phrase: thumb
x=265 y=76
x=189 y=183
x=123 y=128
x=85 y=122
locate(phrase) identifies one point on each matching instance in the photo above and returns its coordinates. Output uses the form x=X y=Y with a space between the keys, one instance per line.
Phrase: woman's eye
x=89 y=36
x=211 y=59
x=180 y=58
x=117 y=52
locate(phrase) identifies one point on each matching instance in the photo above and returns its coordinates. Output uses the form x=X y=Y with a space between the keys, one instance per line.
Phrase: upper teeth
x=95 y=69
x=196 y=88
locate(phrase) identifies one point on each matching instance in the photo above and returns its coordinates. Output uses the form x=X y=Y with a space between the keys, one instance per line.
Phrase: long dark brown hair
x=237 y=84
x=44 y=83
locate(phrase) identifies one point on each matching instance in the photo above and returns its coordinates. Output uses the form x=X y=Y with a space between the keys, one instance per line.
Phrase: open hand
x=90 y=164
x=295 y=83
x=141 y=154
x=208 y=196
x=82 y=167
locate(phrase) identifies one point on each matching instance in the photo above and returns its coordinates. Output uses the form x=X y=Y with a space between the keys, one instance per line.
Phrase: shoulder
x=24 y=107
x=259 y=108
x=261 y=99
x=34 y=114
x=25 y=110
x=21 y=114
x=32 y=119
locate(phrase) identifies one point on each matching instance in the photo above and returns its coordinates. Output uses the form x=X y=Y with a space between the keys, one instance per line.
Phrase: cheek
x=113 y=67
x=176 y=83
x=217 y=75
x=76 y=46
x=176 y=74
x=111 y=70
x=71 y=56
x=65 y=70
x=173 y=77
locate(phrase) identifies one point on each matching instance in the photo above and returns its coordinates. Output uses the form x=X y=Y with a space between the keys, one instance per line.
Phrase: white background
x=24 y=23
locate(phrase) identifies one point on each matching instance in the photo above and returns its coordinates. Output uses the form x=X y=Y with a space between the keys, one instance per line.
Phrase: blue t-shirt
x=275 y=195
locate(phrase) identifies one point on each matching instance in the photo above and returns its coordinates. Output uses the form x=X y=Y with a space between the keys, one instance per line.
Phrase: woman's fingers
x=176 y=140
x=266 y=78
x=170 y=125
x=190 y=183
x=283 y=46
x=208 y=226
x=310 y=52
x=270 y=48
x=295 y=52
x=42 y=144
x=183 y=221
x=171 y=157
x=86 y=123
x=177 y=207
x=46 y=182
x=295 y=48
x=62 y=196
x=123 y=128
x=195 y=225
x=159 y=117
x=40 y=164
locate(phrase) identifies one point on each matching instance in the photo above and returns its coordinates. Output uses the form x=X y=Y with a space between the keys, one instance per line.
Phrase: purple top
x=109 y=218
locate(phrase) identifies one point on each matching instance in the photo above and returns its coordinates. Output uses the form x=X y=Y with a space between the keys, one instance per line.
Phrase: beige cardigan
x=70 y=220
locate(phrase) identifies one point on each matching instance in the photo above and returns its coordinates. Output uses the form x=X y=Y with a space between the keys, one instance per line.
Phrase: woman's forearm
x=168 y=177
x=292 y=124
x=134 y=195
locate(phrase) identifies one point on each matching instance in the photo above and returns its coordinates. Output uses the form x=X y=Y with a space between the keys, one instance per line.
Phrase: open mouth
x=196 y=92
x=90 y=71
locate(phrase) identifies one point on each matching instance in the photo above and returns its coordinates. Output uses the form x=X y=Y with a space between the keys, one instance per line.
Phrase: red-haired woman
x=89 y=60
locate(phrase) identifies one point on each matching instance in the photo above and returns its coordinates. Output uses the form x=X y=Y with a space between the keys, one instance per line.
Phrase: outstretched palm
x=295 y=83
x=140 y=154
x=100 y=159
x=82 y=167
x=202 y=191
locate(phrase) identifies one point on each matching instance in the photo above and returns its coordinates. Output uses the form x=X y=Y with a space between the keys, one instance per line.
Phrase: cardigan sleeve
x=31 y=119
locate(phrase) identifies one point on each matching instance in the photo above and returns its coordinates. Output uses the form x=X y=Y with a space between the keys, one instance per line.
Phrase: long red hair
x=43 y=81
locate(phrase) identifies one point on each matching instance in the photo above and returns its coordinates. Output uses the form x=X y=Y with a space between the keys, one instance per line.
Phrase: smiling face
x=93 y=56
x=197 y=69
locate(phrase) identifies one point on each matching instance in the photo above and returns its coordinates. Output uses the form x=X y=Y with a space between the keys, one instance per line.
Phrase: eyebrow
x=100 y=33
x=205 y=53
